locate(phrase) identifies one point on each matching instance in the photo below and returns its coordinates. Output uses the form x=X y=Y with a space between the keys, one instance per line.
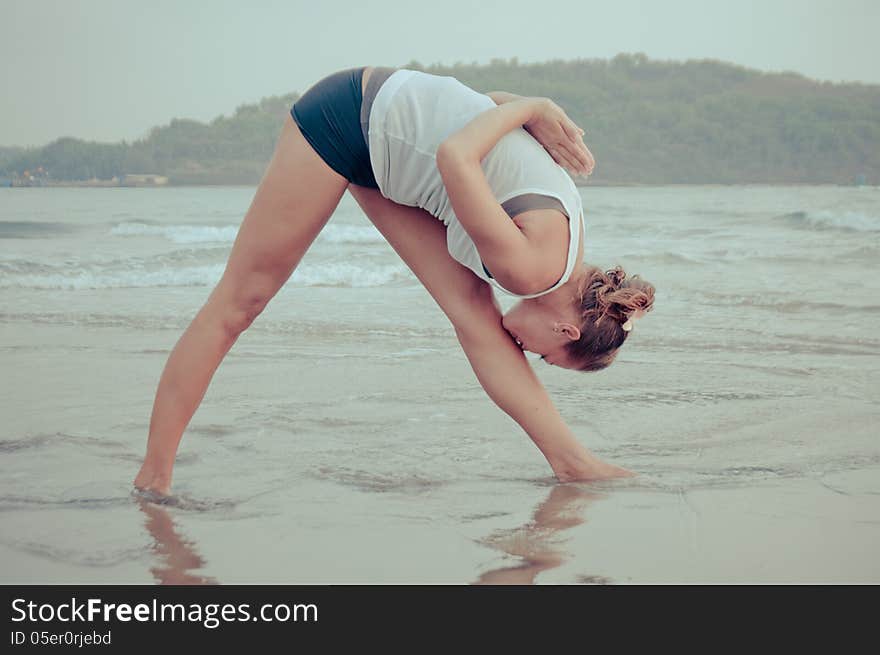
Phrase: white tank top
x=413 y=112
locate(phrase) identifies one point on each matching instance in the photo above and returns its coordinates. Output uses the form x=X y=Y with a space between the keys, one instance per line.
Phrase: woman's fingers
x=585 y=156
x=576 y=154
x=590 y=160
x=564 y=141
x=565 y=159
x=580 y=158
x=571 y=157
x=568 y=149
x=577 y=148
x=572 y=131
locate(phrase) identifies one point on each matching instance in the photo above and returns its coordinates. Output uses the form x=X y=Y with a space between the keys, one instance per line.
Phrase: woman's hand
x=559 y=135
x=149 y=478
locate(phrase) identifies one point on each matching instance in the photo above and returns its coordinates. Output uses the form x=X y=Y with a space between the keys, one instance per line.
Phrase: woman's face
x=542 y=328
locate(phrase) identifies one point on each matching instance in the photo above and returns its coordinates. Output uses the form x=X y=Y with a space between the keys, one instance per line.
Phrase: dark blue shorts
x=329 y=116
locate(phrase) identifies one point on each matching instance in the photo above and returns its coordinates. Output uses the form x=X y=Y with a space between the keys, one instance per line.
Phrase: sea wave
x=194 y=234
x=662 y=257
x=179 y=233
x=848 y=221
x=33 y=229
x=332 y=274
x=350 y=234
x=169 y=277
x=784 y=303
x=349 y=275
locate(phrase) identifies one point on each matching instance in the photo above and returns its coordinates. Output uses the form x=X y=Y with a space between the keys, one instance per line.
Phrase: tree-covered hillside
x=647 y=122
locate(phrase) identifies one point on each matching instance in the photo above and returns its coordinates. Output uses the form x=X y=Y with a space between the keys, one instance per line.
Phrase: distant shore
x=652 y=123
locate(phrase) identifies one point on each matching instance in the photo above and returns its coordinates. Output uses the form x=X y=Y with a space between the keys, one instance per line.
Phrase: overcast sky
x=108 y=70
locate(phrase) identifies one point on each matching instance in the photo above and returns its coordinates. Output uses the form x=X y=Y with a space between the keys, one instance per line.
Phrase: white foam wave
x=325 y=274
x=170 y=277
x=348 y=275
x=179 y=233
x=189 y=234
x=350 y=234
x=829 y=220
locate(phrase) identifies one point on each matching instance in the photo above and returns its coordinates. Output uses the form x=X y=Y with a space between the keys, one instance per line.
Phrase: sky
x=108 y=70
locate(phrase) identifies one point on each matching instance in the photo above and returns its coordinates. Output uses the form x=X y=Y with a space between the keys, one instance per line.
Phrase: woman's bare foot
x=585 y=468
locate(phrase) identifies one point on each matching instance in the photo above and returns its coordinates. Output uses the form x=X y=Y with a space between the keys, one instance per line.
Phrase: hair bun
x=617 y=296
x=616 y=276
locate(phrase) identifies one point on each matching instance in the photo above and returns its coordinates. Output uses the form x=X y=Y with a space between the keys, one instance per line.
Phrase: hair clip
x=628 y=325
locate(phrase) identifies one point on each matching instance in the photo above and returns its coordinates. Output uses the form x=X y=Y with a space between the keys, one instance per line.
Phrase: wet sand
x=373 y=487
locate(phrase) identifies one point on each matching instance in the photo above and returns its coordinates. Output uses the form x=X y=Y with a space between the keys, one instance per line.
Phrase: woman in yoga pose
x=413 y=148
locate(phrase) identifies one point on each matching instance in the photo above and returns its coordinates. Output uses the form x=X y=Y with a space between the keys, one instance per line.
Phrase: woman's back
x=412 y=113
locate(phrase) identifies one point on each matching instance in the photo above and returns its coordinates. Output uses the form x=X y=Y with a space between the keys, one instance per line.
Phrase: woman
x=413 y=147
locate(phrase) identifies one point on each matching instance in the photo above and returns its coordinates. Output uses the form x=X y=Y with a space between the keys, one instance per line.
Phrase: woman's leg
x=294 y=200
x=420 y=240
x=296 y=197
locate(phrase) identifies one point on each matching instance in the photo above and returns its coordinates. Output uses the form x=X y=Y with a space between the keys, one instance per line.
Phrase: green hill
x=647 y=121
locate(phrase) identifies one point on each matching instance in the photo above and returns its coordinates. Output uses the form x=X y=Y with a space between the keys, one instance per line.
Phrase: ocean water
x=345 y=438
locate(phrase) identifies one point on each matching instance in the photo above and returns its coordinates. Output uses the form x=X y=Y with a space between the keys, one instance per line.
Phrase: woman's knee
x=240 y=316
x=235 y=304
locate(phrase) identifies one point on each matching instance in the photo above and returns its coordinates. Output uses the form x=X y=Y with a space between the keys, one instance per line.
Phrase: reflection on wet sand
x=177 y=559
x=538 y=543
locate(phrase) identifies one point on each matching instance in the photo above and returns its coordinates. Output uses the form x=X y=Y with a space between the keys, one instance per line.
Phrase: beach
x=345 y=439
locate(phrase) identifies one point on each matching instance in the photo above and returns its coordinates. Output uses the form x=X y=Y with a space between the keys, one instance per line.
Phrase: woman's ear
x=569 y=330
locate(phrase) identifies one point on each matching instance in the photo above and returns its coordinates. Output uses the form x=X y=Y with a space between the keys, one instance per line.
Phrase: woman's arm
x=468 y=302
x=479 y=135
x=509 y=380
x=515 y=261
x=560 y=136
x=521 y=263
x=500 y=97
